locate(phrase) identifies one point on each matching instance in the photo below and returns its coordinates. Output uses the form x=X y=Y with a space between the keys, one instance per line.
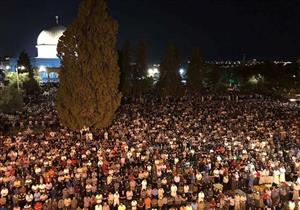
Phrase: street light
x=18 y=82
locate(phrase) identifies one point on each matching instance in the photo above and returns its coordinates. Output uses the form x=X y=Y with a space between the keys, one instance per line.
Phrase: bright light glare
x=42 y=69
x=7 y=67
x=152 y=72
x=47 y=51
x=181 y=71
x=294 y=99
x=253 y=80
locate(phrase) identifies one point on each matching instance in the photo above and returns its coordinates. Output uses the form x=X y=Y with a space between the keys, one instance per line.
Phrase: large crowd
x=206 y=152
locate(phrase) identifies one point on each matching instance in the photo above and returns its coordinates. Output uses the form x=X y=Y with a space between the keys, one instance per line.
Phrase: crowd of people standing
x=193 y=152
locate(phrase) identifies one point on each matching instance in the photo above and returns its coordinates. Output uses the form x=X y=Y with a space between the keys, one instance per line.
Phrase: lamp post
x=18 y=82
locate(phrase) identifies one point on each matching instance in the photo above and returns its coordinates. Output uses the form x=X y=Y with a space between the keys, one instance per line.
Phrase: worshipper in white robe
x=134 y=205
x=144 y=184
x=173 y=190
x=276 y=176
x=98 y=207
x=116 y=198
x=292 y=205
x=282 y=174
x=201 y=197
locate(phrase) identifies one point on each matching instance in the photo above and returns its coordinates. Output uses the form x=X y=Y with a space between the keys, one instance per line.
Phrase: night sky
x=223 y=29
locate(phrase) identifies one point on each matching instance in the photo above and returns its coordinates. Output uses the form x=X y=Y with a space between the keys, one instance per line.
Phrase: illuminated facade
x=47 y=62
x=47 y=42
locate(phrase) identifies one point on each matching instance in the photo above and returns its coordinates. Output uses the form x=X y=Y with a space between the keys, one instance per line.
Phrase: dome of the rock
x=47 y=42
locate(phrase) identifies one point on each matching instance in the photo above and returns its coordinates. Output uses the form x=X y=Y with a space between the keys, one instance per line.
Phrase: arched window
x=53 y=77
x=44 y=76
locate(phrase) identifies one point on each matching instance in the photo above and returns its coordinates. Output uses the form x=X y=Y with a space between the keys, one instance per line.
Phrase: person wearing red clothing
x=213 y=204
x=52 y=173
x=147 y=202
x=38 y=206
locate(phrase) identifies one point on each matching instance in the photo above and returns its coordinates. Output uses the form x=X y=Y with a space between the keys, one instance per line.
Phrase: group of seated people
x=191 y=152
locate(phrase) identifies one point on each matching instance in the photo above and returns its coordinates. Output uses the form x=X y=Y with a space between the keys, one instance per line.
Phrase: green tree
x=126 y=70
x=298 y=62
x=88 y=94
x=24 y=64
x=12 y=78
x=11 y=99
x=195 y=71
x=266 y=77
x=140 y=81
x=170 y=81
x=212 y=77
x=30 y=85
x=241 y=74
x=141 y=60
x=276 y=78
x=2 y=77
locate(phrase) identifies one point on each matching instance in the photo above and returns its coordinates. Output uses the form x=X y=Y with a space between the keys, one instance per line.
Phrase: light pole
x=18 y=82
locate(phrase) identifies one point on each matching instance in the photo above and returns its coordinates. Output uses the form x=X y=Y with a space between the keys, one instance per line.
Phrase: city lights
x=42 y=69
x=21 y=68
x=294 y=99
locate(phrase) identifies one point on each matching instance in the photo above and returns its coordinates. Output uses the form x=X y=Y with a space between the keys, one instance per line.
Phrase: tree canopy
x=170 y=81
x=195 y=71
x=141 y=59
x=11 y=99
x=141 y=83
x=30 y=85
x=24 y=64
x=88 y=94
x=126 y=70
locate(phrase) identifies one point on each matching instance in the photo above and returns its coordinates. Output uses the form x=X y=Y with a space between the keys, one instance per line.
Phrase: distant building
x=5 y=63
x=47 y=62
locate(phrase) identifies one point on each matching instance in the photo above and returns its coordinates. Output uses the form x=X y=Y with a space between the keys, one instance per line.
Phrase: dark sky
x=223 y=29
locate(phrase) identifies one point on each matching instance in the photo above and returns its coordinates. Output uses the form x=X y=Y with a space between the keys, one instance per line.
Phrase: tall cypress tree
x=88 y=94
x=170 y=81
x=194 y=71
x=141 y=59
x=30 y=86
x=126 y=70
x=140 y=80
x=24 y=64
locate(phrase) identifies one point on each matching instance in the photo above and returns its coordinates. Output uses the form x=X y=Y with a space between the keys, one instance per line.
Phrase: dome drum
x=47 y=42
